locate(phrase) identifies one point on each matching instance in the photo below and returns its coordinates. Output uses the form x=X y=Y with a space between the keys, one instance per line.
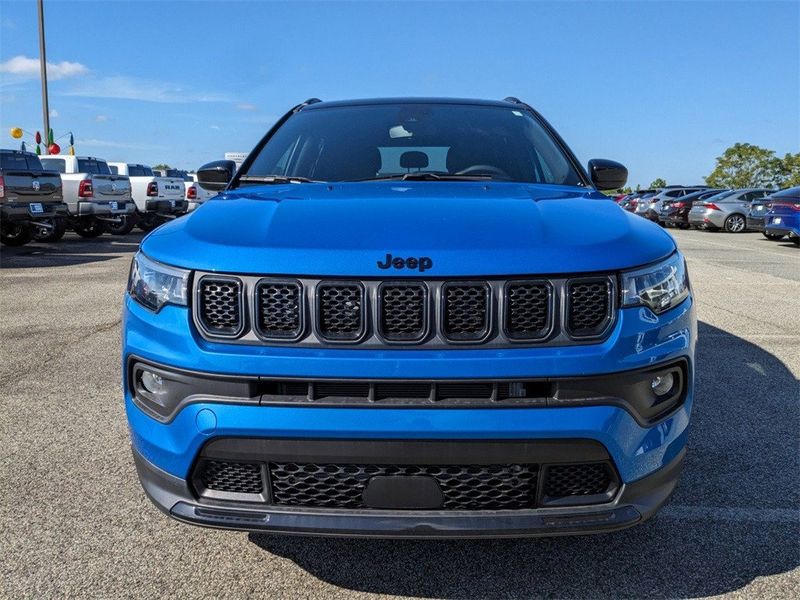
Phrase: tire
x=148 y=222
x=796 y=241
x=772 y=236
x=50 y=235
x=735 y=223
x=684 y=226
x=15 y=234
x=124 y=227
x=89 y=227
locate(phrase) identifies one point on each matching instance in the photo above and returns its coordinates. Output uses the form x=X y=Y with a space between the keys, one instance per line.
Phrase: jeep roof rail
x=311 y=101
x=513 y=100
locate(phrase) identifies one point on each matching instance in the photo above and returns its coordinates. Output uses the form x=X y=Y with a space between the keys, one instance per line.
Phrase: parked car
x=652 y=208
x=637 y=198
x=675 y=212
x=31 y=199
x=726 y=210
x=756 y=216
x=783 y=217
x=195 y=193
x=92 y=193
x=368 y=339
x=157 y=198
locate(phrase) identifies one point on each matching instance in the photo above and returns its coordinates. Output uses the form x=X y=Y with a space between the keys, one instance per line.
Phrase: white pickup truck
x=94 y=196
x=195 y=194
x=157 y=198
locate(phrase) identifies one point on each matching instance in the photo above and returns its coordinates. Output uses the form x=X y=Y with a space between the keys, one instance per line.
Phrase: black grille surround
x=426 y=313
x=220 y=306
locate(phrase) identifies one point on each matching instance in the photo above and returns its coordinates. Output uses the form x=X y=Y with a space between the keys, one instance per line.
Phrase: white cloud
x=132 y=88
x=53 y=113
x=28 y=68
x=101 y=118
x=216 y=127
x=246 y=106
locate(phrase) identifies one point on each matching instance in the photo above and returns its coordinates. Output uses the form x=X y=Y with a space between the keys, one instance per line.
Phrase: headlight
x=659 y=287
x=153 y=285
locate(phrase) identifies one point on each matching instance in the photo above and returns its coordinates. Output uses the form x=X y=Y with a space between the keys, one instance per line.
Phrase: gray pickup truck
x=31 y=200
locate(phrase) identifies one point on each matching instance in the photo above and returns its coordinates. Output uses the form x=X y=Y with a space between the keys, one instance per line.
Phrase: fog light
x=152 y=383
x=662 y=384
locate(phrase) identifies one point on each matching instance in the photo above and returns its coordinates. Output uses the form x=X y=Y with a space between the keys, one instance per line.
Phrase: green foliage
x=791 y=170
x=658 y=183
x=747 y=165
x=162 y=166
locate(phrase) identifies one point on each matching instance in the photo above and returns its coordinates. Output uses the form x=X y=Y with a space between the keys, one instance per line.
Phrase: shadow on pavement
x=733 y=518
x=71 y=250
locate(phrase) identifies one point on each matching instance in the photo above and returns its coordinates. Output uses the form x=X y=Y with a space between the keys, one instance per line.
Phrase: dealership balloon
x=16 y=133
x=38 y=138
x=54 y=148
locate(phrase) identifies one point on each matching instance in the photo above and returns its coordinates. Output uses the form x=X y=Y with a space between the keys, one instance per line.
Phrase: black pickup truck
x=31 y=200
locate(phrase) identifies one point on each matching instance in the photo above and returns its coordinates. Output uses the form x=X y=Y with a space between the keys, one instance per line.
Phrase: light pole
x=43 y=67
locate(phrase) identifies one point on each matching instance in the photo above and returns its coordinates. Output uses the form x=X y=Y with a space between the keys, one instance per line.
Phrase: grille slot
x=231 y=477
x=220 y=306
x=589 y=305
x=586 y=479
x=466 y=311
x=403 y=311
x=279 y=309
x=528 y=308
x=340 y=311
x=464 y=487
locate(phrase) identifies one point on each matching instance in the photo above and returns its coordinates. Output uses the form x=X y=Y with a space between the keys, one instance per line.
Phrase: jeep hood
x=465 y=228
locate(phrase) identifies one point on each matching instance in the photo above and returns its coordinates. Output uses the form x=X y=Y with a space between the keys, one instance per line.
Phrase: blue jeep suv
x=409 y=317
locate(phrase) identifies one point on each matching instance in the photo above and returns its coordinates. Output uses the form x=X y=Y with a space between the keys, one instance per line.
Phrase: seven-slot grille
x=371 y=313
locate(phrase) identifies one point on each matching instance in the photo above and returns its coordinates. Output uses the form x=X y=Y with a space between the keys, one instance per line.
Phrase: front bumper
x=105 y=208
x=24 y=212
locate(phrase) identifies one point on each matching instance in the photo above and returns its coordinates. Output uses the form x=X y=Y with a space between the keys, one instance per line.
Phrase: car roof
x=412 y=100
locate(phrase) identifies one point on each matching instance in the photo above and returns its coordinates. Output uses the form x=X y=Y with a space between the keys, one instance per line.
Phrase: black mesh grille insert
x=577 y=480
x=278 y=306
x=341 y=311
x=589 y=306
x=220 y=308
x=465 y=487
x=402 y=311
x=466 y=311
x=527 y=309
x=231 y=477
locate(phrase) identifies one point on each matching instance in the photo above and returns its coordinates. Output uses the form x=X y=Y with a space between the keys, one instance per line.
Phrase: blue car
x=783 y=217
x=409 y=318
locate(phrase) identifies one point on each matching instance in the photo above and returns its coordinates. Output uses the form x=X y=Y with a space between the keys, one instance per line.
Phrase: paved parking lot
x=74 y=521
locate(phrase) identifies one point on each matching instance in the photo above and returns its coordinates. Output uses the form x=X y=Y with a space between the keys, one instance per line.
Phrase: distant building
x=237 y=157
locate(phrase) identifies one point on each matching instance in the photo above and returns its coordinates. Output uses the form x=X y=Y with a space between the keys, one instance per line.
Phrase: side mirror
x=215 y=176
x=607 y=174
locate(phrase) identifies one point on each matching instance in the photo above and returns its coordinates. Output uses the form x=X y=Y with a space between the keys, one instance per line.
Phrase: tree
x=162 y=167
x=747 y=165
x=658 y=183
x=790 y=170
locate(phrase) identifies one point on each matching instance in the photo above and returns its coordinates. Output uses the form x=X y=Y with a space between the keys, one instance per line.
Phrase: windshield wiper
x=428 y=176
x=276 y=179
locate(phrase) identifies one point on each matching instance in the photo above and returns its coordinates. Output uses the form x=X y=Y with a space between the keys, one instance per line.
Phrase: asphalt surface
x=75 y=523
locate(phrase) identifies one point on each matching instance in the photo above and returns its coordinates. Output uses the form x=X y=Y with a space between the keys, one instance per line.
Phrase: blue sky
x=663 y=87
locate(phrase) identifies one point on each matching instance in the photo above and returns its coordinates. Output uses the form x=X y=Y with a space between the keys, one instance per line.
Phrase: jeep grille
x=428 y=313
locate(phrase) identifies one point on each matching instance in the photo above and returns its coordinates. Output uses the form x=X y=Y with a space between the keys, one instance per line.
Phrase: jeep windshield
x=420 y=142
